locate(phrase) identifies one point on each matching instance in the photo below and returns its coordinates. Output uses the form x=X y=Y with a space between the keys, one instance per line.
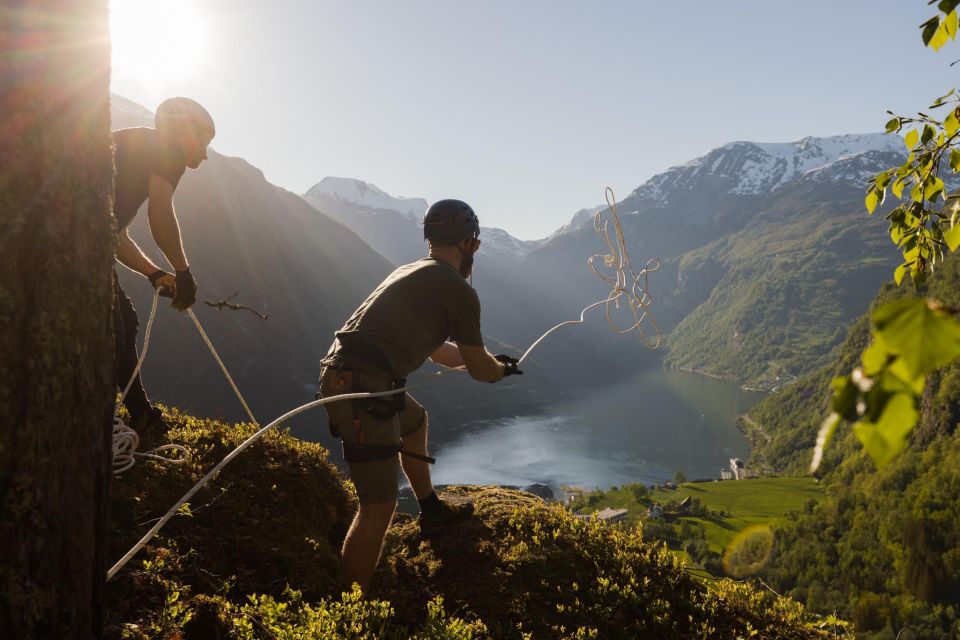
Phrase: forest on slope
x=883 y=547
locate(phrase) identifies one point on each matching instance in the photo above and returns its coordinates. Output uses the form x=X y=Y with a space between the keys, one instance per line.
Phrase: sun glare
x=157 y=41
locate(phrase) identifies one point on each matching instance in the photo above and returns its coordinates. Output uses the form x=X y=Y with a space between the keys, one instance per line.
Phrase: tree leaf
x=950 y=24
x=893 y=125
x=929 y=28
x=911 y=139
x=950 y=123
x=952 y=237
x=871 y=200
x=940 y=37
x=955 y=160
x=897 y=186
x=887 y=437
x=899 y=272
x=926 y=339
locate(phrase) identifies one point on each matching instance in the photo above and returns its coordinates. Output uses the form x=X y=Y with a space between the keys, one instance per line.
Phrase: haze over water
x=644 y=429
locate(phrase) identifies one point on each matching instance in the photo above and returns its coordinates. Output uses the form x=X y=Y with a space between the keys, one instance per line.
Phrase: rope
x=216 y=356
x=125 y=439
x=637 y=296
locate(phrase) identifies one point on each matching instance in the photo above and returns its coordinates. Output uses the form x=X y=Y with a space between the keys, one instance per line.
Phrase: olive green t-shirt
x=414 y=311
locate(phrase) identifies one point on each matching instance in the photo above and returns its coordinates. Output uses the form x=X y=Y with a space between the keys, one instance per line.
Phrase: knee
x=377 y=512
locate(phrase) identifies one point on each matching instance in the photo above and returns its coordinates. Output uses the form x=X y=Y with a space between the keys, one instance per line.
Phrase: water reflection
x=642 y=430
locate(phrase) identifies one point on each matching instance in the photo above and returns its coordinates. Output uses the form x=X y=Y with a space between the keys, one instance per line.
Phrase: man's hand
x=510 y=365
x=185 y=293
x=163 y=282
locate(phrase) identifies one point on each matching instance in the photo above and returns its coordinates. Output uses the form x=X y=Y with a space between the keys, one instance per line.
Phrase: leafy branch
x=914 y=337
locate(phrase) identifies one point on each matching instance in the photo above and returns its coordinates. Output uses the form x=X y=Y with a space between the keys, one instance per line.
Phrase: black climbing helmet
x=450 y=222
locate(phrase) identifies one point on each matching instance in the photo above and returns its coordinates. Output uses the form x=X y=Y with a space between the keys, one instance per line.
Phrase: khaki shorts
x=376 y=481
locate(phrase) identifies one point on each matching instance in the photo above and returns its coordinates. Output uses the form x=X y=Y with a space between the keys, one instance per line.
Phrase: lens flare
x=748 y=552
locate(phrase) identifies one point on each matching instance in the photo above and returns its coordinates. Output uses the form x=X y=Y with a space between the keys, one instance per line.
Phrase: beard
x=466 y=266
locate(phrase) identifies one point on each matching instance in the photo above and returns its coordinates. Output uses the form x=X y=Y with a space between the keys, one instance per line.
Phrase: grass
x=763 y=501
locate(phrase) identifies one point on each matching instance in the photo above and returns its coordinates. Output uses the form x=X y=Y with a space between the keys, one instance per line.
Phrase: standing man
x=149 y=164
x=406 y=320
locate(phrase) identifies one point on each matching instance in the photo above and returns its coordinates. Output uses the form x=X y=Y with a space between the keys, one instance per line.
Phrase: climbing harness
x=624 y=283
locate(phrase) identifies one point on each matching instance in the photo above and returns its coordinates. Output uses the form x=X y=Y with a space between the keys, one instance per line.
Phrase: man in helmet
x=407 y=319
x=149 y=164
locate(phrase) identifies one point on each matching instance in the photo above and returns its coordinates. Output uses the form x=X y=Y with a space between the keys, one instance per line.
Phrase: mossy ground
x=517 y=569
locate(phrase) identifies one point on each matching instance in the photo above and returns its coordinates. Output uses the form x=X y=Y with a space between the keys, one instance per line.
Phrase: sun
x=159 y=42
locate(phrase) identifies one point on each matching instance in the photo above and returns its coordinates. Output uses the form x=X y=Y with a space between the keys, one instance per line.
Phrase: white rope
x=216 y=356
x=638 y=297
x=125 y=439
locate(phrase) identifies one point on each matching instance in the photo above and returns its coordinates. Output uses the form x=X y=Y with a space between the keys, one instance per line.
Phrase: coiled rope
x=125 y=439
x=622 y=286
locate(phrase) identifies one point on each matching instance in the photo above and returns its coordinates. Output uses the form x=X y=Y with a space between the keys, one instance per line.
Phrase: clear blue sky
x=526 y=109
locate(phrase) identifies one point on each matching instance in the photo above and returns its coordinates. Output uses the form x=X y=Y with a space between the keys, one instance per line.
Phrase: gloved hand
x=164 y=282
x=186 y=293
x=510 y=365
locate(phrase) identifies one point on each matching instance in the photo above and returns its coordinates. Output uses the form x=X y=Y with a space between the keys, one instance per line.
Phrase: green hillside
x=720 y=510
x=254 y=557
x=787 y=287
x=882 y=547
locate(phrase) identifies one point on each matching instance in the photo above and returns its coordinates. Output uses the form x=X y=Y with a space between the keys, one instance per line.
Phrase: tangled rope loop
x=125 y=439
x=627 y=286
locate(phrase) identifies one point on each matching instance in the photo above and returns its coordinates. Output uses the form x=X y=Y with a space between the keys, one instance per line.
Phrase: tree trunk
x=56 y=349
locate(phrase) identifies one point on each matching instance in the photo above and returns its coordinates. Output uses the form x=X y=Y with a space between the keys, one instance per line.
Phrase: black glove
x=510 y=365
x=186 y=290
x=165 y=292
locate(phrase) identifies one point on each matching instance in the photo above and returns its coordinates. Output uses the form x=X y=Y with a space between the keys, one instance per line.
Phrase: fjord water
x=643 y=429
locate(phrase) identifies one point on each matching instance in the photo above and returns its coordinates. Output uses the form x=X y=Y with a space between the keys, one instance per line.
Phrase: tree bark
x=56 y=349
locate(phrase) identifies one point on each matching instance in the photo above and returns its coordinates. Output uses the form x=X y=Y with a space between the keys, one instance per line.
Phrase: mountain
x=394 y=226
x=767 y=252
x=281 y=256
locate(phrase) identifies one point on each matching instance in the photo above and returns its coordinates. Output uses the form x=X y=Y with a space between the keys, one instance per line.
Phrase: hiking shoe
x=437 y=519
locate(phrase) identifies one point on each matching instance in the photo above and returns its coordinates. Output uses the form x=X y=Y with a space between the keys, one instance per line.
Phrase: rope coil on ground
x=638 y=299
x=125 y=438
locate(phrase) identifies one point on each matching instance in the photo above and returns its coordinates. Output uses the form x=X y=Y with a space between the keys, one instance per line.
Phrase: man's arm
x=481 y=365
x=447 y=356
x=163 y=222
x=132 y=256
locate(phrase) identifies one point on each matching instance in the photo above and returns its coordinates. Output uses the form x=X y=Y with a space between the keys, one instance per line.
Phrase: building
x=612 y=515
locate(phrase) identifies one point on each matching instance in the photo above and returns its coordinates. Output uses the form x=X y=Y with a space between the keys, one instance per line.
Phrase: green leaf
x=887 y=437
x=897 y=186
x=950 y=123
x=893 y=125
x=911 y=139
x=940 y=37
x=928 y=133
x=844 y=400
x=899 y=272
x=950 y=24
x=952 y=237
x=898 y=378
x=955 y=160
x=947 y=6
x=875 y=357
x=929 y=28
x=926 y=339
x=871 y=200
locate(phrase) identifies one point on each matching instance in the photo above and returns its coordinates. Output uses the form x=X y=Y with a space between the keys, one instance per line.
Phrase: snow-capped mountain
x=367 y=196
x=392 y=225
x=755 y=168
